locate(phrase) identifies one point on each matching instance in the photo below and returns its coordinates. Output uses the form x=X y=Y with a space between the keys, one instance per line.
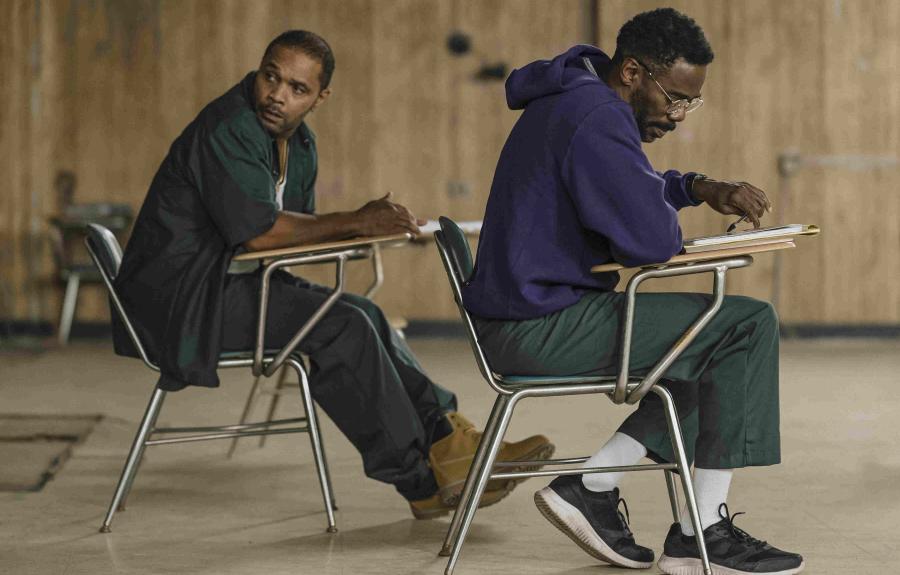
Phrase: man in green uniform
x=241 y=177
x=573 y=188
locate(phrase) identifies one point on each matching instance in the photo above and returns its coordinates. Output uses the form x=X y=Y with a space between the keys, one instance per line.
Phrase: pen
x=735 y=224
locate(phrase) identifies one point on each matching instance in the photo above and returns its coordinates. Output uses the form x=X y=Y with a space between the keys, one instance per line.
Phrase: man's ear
x=323 y=95
x=630 y=73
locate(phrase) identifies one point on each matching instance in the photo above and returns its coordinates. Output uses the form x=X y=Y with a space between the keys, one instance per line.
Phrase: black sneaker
x=593 y=521
x=731 y=551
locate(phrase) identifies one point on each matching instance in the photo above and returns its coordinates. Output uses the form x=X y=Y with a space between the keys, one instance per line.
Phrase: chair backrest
x=454 y=249
x=72 y=225
x=107 y=255
x=105 y=247
x=458 y=248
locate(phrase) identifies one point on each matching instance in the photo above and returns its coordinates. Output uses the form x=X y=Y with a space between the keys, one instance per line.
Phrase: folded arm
x=378 y=217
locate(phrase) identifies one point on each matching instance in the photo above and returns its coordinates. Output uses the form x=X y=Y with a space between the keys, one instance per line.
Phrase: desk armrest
x=716 y=266
x=339 y=258
x=703 y=256
x=339 y=252
x=354 y=243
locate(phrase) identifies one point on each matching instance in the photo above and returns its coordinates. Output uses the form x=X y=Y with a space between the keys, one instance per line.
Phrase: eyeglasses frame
x=681 y=104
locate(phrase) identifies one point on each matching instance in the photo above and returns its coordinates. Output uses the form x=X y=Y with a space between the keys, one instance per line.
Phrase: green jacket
x=214 y=191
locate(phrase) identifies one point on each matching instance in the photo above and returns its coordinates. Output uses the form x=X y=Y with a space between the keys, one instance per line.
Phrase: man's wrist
x=695 y=187
x=354 y=223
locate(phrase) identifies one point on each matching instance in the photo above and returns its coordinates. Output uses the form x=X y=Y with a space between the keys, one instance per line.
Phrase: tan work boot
x=451 y=457
x=434 y=506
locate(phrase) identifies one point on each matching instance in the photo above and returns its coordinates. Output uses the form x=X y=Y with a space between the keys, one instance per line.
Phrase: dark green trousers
x=363 y=375
x=725 y=384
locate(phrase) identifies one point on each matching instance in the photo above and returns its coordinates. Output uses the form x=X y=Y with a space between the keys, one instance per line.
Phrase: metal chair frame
x=260 y=362
x=623 y=388
x=73 y=276
x=373 y=253
x=72 y=273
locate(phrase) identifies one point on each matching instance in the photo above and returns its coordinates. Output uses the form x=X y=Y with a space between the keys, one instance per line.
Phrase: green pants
x=725 y=384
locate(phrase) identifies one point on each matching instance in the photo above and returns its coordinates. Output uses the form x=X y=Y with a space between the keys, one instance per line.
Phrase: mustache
x=274 y=110
x=670 y=127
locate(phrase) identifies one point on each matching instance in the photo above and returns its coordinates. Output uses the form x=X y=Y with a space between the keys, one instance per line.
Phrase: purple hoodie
x=572 y=189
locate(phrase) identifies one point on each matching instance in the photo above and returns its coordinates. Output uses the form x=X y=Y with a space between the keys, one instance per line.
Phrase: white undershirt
x=246 y=267
x=279 y=186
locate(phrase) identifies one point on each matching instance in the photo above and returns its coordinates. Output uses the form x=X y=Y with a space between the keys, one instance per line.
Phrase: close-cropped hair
x=310 y=44
x=659 y=37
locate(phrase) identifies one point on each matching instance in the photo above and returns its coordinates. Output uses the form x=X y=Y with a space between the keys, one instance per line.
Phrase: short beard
x=639 y=108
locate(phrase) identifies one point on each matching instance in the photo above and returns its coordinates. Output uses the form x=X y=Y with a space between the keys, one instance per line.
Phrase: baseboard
x=38 y=329
x=809 y=331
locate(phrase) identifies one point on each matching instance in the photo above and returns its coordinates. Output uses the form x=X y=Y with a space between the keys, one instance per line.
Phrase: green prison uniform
x=214 y=191
x=725 y=384
x=573 y=188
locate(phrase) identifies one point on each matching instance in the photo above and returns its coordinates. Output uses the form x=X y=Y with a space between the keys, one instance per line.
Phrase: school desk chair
x=107 y=256
x=624 y=388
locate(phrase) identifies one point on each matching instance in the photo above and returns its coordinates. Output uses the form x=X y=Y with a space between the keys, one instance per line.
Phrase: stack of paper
x=470 y=228
x=749 y=238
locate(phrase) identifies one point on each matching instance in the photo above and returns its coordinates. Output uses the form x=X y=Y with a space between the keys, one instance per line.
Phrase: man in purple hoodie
x=573 y=189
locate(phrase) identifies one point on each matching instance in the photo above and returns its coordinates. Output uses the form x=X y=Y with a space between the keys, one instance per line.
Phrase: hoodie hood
x=545 y=77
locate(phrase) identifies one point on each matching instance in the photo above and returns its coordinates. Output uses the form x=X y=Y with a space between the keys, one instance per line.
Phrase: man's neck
x=611 y=76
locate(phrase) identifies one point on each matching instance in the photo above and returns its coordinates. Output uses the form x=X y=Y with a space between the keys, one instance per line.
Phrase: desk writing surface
x=470 y=228
x=703 y=256
x=327 y=246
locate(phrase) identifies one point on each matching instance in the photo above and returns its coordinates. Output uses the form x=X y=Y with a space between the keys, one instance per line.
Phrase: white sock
x=711 y=488
x=621 y=449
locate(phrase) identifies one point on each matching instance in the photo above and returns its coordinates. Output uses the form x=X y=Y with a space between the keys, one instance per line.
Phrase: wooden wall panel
x=862 y=117
x=102 y=88
x=27 y=124
x=15 y=145
x=440 y=129
x=412 y=92
x=818 y=78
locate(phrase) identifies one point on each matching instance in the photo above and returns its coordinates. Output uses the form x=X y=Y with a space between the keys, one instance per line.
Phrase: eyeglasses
x=675 y=106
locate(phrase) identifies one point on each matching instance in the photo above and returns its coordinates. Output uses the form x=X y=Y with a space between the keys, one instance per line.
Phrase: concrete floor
x=835 y=499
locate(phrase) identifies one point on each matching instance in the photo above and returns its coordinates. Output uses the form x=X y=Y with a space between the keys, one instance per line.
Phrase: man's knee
x=759 y=315
x=767 y=317
x=355 y=319
x=345 y=326
x=369 y=308
x=761 y=312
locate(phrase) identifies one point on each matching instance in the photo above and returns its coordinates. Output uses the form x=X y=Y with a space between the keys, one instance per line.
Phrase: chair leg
x=315 y=439
x=673 y=495
x=684 y=470
x=67 y=314
x=469 y=486
x=507 y=404
x=273 y=403
x=248 y=409
x=140 y=460
x=134 y=457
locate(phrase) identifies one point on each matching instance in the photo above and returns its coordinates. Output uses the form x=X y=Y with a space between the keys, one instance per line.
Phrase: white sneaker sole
x=690 y=566
x=570 y=521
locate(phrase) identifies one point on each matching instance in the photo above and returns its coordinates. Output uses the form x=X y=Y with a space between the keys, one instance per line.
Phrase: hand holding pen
x=735 y=224
x=733 y=198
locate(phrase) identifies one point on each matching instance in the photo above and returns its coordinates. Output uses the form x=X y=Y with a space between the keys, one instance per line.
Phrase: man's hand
x=733 y=198
x=383 y=217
